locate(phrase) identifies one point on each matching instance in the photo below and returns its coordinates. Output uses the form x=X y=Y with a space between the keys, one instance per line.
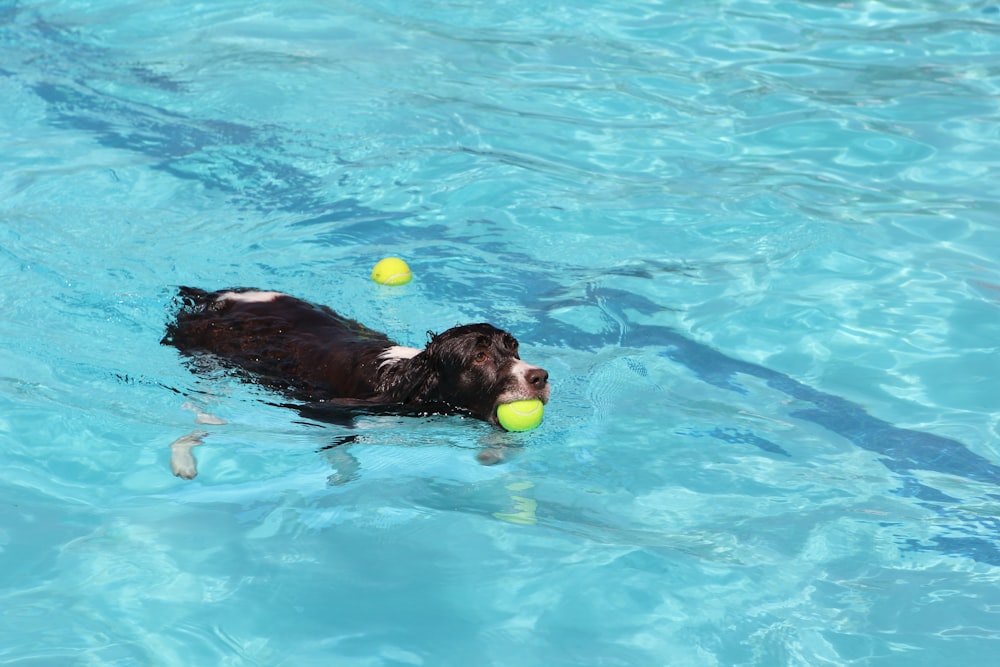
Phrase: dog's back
x=314 y=355
x=307 y=351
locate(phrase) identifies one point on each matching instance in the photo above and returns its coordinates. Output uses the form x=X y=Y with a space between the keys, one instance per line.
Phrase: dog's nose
x=537 y=377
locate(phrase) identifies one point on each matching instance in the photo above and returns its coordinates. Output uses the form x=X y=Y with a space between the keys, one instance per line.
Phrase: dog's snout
x=537 y=377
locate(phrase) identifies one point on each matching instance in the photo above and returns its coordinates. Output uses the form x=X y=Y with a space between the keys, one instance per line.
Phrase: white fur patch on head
x=524 y=389
x=396 y=353
x=252 y=296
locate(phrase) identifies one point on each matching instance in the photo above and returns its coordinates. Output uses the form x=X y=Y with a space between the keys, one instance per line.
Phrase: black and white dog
x=331 y=364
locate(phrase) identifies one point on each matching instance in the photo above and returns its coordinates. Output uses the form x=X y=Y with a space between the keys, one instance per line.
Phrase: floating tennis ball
x=521 y=415
x=391 y=271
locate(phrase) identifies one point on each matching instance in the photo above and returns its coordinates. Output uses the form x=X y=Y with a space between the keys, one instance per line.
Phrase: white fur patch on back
x=249 y=297
x=396 y=353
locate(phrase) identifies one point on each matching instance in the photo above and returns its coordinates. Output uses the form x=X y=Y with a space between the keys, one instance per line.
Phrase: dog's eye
x=481 y=357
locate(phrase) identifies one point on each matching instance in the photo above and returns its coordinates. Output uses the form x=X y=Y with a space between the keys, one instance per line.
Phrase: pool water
x=756 y=245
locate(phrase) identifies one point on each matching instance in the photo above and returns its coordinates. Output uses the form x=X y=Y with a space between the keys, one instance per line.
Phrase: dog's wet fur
x=329 y=364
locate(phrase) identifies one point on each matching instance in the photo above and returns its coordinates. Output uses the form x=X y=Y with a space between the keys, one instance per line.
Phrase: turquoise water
x=756 y=244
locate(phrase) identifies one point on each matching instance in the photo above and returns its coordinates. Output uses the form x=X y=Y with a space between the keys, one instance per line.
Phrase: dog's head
x=477 y=368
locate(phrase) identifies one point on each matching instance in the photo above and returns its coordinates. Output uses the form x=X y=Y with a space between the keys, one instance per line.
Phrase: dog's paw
x=204 y=418
x=182 y=462
x=492 y=456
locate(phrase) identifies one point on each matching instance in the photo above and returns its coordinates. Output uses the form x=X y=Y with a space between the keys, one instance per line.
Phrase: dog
x=335 y=366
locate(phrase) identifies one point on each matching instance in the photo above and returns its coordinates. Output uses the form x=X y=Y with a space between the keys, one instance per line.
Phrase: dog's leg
x=345 y=466
x=496 y=448
x=491 y=456
x=182 y=461
x=201 y=417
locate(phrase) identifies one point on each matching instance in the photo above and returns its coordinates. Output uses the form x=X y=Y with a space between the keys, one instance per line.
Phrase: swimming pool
x=755 y=244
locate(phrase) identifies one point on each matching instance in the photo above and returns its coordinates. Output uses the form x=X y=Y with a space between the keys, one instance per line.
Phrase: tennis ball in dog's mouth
x=391 y=271
x=521 y=415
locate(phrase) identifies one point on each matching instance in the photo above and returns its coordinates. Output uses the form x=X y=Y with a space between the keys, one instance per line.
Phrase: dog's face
x=479 y=369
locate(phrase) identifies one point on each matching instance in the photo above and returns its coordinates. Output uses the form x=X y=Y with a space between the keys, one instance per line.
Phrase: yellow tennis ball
x=391 y=271
x=521 y=415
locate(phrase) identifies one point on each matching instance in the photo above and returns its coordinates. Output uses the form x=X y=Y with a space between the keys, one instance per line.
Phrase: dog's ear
x=451 y=350
x=414 y=380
